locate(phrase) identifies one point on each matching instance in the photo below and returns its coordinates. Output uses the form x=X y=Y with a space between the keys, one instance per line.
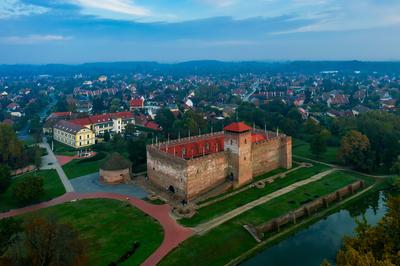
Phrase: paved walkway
x=51 y=159
x=174 y=233
x=205 y=227
x=91 y=183
x=64 y=159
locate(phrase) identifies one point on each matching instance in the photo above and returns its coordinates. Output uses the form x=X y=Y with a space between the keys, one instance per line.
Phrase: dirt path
x=205 y=227
x=174 y=233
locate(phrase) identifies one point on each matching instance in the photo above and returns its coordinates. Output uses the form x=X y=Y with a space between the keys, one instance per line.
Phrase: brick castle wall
x=165 y=170
x=206 y=172
x=271 y=154
x=195 y=176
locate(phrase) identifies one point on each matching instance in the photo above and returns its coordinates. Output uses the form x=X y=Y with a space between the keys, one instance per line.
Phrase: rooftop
x=237 y=127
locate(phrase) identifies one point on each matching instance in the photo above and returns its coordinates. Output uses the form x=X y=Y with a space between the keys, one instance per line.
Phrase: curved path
x=345 y=168
x=174 y=233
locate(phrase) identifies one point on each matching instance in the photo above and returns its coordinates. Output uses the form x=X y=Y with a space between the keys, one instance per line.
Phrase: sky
x=78 y=31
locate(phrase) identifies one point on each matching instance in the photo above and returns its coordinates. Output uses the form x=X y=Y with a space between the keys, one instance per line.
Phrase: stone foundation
x=115 y=177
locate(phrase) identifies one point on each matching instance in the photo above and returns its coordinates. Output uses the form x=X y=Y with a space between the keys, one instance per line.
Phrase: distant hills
x=201 y=68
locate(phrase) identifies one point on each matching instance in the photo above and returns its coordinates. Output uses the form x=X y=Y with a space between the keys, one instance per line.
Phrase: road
x=51 y=159
x=253 y=88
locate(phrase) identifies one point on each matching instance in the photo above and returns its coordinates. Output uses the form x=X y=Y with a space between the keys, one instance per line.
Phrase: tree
x=137 y=152
x=318 y=144
x=395 y=169
x=38 y=157
x=98 y=104
x=165 y=118
x=374 y=245
x=8 y=228
x=5 y=179
x=115 y=105
x=29 y=190
x=355 y=150
x=10 y=146
x=46 y=242
x=61 y=105
x=106 y=136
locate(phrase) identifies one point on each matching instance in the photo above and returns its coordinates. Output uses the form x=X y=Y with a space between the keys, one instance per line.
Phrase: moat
x=323 y=239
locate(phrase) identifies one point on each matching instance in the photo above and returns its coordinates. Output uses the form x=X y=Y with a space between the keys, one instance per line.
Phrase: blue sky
x=76 y=31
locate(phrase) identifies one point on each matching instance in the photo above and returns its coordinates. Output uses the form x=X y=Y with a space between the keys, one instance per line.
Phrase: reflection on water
x=322 y=239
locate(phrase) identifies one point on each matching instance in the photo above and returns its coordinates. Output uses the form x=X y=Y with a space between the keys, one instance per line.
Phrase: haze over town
x=77 y=31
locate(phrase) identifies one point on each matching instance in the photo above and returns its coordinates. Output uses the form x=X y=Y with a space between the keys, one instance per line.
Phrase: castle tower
x=237 y=142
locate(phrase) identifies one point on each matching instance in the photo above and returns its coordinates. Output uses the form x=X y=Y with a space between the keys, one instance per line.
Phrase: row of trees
x=368 y=142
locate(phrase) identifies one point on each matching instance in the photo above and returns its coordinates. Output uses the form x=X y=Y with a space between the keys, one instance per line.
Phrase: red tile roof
x=238 y=127
x=95 y=119
x=152 y=125
x=122 y=115
x=196 y=148
x=137 y=103
x=257 y=137
x=82 y=121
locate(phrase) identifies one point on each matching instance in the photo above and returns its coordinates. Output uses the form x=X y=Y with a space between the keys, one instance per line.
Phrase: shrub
x=29 y=190
x=127 y=254
x=5 y=178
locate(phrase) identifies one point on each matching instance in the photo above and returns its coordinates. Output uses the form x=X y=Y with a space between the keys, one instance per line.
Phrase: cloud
x=103 y=8
x=33 y=39
x=16 y=8
x=219 y=3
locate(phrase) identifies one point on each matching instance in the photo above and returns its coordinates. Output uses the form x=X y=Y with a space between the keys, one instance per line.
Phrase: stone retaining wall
x=307 y=209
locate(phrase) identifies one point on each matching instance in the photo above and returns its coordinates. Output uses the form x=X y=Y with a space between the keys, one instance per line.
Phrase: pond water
x=323 y=239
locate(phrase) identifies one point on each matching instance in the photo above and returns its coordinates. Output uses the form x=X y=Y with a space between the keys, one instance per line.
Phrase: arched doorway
x=171 y=189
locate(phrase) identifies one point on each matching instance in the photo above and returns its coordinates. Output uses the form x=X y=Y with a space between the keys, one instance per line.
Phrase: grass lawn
x=229 y=240
x=208 y=212
x=52 y=189
x=75 y=168
x=62 y=149
x=29 y=141
x=302 y=148
x=109 y=228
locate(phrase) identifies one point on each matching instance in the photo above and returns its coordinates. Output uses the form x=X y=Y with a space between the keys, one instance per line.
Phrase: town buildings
x=192 y=166
x=82 y=132
x=73 y=135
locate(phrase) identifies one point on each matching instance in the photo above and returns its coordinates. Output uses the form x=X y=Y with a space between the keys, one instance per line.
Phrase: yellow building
x=73 y=135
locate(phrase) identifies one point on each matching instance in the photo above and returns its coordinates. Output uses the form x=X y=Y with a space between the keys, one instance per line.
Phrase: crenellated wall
x=241 y=159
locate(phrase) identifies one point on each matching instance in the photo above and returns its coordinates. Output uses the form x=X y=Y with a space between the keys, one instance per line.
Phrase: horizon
x=78 y=31
x=204 y=60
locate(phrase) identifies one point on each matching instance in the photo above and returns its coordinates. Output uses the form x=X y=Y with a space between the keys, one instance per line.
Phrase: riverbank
x=227 y=241
x=291 y=230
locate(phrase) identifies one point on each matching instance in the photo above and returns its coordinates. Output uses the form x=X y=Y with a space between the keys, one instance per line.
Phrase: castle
x=192 y=166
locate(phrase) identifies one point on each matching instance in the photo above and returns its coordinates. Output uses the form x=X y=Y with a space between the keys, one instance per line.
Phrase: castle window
x=231 y=142
x=245 y=158
x=245 y=141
